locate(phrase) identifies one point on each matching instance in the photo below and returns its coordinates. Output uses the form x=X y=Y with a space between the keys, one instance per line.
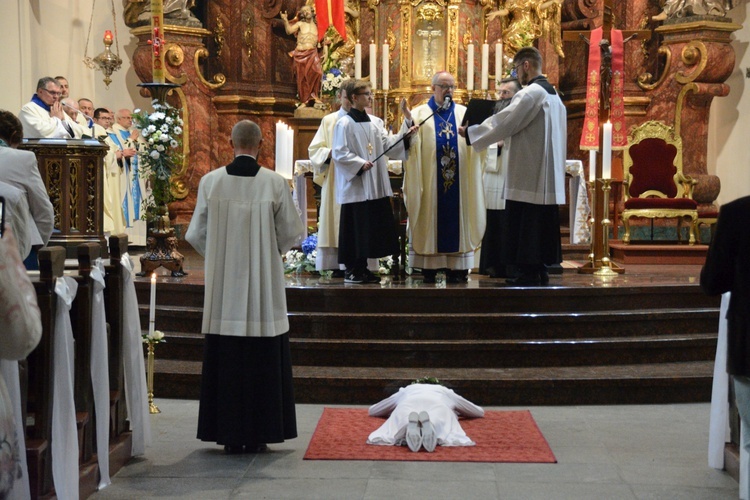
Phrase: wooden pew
x=118 y=246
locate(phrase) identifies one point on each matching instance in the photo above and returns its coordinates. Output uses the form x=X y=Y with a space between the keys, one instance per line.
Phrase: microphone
x=446 y=102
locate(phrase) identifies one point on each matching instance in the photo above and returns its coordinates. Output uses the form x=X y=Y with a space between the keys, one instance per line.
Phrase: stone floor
x=603 y=452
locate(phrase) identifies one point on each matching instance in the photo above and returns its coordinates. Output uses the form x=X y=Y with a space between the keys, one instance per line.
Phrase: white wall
x=729 y=123
x=48 y=38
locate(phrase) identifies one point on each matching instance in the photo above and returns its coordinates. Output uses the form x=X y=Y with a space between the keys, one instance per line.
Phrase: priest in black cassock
x=244 y=221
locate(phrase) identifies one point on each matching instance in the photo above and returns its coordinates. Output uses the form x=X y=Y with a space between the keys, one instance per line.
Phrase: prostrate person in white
x=423 y=414
x=43 y=116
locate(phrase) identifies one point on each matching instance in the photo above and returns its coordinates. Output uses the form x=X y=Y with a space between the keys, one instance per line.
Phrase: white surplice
x=442 y=404
x=242 y=225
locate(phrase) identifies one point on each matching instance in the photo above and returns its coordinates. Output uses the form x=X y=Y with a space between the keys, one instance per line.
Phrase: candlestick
x=470 y=67
x=157 y=41
x=592 y=165
x=485 y=66
x=498 y=63
x=607 y=151
x=373 y=66
x=386 y=66
x=358 y=60
x=152 y=306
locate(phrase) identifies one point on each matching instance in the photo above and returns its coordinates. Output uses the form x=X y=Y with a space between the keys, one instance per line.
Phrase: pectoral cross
x=369 y=148
x=447 y=129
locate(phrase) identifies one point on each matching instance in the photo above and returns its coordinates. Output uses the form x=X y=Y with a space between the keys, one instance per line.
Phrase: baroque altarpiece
x=232 y=61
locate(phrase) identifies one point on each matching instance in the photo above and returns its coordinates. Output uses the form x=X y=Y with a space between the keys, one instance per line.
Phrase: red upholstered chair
x=654 y=185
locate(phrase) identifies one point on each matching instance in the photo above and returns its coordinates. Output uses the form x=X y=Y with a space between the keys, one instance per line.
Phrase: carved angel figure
x=685 y=8
x=526 y=20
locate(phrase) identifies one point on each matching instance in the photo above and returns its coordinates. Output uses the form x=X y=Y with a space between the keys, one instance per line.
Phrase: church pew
x=40 y=375
x=118 y=246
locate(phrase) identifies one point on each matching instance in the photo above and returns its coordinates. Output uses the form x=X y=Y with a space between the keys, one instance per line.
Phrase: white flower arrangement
x=154 y=338
x=332 y=81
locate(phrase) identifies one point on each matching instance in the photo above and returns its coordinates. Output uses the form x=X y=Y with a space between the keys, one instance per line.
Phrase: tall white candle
x=498 y=63
x=386 y=66
x=607 y=151
x=152 y=306
x=358 y=60
x=485 y=66
x=592 y=165
x=373 y=66
x=470 y=67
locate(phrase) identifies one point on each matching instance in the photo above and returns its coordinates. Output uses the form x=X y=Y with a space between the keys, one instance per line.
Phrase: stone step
x=620 y=384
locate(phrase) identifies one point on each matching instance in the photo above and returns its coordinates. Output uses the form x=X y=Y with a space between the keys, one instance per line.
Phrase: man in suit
x=18 y=168
x=727 y=269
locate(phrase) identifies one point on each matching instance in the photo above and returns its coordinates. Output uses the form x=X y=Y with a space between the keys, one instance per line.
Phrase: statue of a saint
x=526 y=20
x=307 y=64
x=138 y=13
x=685 y=8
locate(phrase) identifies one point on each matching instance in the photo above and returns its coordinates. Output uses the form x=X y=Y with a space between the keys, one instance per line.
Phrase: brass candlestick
x=152 y=408
x=592 y=221
x=606 y=269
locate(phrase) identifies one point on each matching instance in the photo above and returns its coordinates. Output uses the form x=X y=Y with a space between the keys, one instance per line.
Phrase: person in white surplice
x=423 y=414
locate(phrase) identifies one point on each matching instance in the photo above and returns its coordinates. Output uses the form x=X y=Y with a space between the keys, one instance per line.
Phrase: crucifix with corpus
x=604 y=124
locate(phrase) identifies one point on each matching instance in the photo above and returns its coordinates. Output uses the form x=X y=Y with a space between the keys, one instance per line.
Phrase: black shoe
x=233 y=449
x=338 y=273
x=526 y=280
x=370 y=277
x=353 y=277
x=544 y=277
x=429 y=275
x=256 y=448
x=460 y=276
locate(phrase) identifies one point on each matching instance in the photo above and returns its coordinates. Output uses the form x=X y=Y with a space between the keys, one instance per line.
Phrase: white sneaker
x=429 y=440
x=413 y=433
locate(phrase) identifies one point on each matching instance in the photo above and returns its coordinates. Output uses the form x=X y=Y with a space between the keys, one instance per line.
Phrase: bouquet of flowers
x=304 y=261
x=161 y=152
x=333 y=78
x=153 y=338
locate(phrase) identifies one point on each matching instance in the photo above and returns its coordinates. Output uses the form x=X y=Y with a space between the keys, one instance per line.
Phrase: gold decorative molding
x=247 y=34
x=175 y=56
x=219 y=36
x=406 y=23
x=178 y=186
x=429 y=12
x=690 y=87
x=219 y=79
x=171 y=28
x=645 y=78
x=91 y=211
x=467 y=39
x=722 y=27
x=74 y=168
x=693 y=53
x=390 y=39
x=452 y=55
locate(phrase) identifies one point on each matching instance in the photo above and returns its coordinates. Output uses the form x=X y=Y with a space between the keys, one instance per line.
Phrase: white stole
x=64 y=434
x=9 y=372
x=100 y=372
x=134 y=367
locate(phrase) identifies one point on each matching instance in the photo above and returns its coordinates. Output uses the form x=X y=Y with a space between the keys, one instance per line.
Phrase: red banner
x=330 y=13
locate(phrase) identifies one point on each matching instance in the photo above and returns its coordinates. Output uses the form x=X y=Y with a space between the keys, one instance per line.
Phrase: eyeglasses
x=52 y=93
x=368 y=94
x=445 y=87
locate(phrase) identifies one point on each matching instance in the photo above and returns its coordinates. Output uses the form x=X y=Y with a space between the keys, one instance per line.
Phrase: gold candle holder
x=152 y=408
x=592 y=221
x=606 y=269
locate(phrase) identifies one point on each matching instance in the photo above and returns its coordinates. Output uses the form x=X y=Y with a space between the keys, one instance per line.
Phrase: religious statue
x=685 y=8
x=307 y=64
x=526 y=20
x=429 y=60
x=341 y=52
x=138 y=13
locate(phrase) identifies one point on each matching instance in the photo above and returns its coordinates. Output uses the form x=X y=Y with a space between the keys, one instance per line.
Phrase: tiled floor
x=603 y=452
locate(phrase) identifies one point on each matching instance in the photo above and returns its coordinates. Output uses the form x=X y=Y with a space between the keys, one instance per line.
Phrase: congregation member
x=19 y=168
x=443 y=189
x=495 y=172
x=126 y=138
x=727 y=269
x=244 y=220
x=535 y=122
x=17 y=216
x=43 y=116
x=64 y=86
x=363 y=189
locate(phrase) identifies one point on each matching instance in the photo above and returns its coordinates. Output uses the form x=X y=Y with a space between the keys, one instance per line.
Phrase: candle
x=485 y=66
x=592 y=165
x=152 y=306
x=373 y=66
x=386 y=66
x=498 y=63
x=157 y=40
x=607 y=151
x=358 y=60
x=107 y=36
x=470 y=67
x=289 y=167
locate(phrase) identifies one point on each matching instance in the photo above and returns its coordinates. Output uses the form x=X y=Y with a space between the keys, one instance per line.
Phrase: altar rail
x=37 y=371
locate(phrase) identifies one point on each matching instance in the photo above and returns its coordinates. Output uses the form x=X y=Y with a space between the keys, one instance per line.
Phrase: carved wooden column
x=73 y=171
x=699 y=59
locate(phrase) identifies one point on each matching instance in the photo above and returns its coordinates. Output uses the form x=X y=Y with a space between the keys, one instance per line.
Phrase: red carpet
x=501 y=436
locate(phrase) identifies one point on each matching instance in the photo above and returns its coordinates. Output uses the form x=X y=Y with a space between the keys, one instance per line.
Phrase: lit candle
x=386 y=66
x=280 y=145
x=152 y=306
x=358 y=60
x=373 y=66
x=607 y=151
x=107 y=36
x=470 y=67
x=592 y=165
x=498 y=62
x=157 y=41
x=485 y=66
x=289 y=167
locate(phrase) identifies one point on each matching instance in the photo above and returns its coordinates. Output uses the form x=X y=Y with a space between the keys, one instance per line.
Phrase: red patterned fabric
x=501 y=436
x=330 y=13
